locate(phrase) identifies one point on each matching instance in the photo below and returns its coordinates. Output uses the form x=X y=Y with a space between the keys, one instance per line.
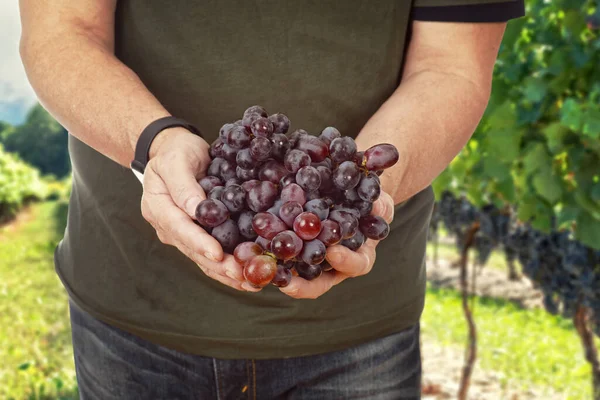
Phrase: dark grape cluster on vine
x=566 y=271
x=277 y=200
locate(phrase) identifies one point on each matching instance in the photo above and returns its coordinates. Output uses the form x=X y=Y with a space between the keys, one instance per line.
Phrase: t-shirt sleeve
x=468 y=10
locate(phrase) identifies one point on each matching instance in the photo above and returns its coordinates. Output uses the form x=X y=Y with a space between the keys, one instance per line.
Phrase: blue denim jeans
x=113 y=364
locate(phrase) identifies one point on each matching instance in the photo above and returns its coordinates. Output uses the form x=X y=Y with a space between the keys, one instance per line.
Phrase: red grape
x=233 y=181
x=262 y=127
x=286 y=180
x=238 y=138
x=250 y=184
x=262 y=196
x=348 y=222
x=267 y=225
x=264 y=243
x=246 y=251
x=272 y=171
x=296 y=159
x=215 y=167
x=369 y=188
x=279 y=146
x=308 y=178
x=215 y=194
x=380 y=156
x=346 y=175
x=281 y=123
x=208 y=183
x=326 y=178
x=275 y=208
x=313 y=252
x=245 y=160
x=325 y=266
x=295 y=136
x=342 y=149
x=245 y=225
x=374 y=227
x=289 y=211
x=307 y=225
x=260 y=270
x=358 y=157
x=210 y=213
x=224 y=129
x=260 y=148
x=293 y=192
x=330 y=233
x=313 y=195
x=249 y=119
x=227 y=170
x=229 y=153
x=286 y=245
x=363 y=207
x=234 y=198
x=283 y=277
x=307 y=271
x=256 y=110
x=328 y=134
x=318 y=207
x=216 y=148
x=227 y=234
x=354 y=242
x=313 y=146
x=246 y=174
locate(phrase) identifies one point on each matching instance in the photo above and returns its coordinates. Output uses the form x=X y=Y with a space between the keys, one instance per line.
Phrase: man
x=158 y=310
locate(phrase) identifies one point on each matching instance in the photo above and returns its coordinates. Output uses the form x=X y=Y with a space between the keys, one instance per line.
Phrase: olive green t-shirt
x=322 y=63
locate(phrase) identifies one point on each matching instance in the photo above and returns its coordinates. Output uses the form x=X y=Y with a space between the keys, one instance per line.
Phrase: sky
x=16 y=95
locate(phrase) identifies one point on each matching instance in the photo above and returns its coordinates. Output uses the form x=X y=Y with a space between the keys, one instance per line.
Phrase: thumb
x=384 y=207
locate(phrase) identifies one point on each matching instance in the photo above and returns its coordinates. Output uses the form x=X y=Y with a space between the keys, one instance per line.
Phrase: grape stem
x=471 y=350
x=580 y=321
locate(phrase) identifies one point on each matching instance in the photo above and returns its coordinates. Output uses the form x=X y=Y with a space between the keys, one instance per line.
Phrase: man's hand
x=345 y=262
x=171 y=193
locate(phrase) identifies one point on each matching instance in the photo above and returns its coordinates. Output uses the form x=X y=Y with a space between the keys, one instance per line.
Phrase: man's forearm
x=90 y=92
x=429 y=119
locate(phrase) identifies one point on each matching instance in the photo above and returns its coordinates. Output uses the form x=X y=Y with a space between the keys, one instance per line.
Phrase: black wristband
x=142 y=148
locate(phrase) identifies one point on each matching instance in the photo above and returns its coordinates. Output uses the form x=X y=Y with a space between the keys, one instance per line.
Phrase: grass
x=35 y=341
x=527 y=346
x=530 y=347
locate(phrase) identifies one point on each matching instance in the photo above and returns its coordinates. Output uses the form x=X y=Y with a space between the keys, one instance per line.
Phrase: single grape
x=245 y=225
x=262 y=196
x=227 y=234
x=351 y=196
x=250 y=184
x=248 y=120
x=264 y=243
x=216 y=192
x=358 y=157
x=260 y=148
x=229 y=153
x=330 y=232
x=272 y=171
x=355 y=241
x=268 y=225
x=313 y=146
x=325 y=266
x=283 y=277
x=286 y=180
x=374 y=227
x=260 y=271
x=315 y=194
x=342 y=149
x=346 y=175
x=216 y=148
x=289 y=211
x=281 y=123
x=233 y=181
x=224 y=130
x=279 y=146
x=364 y=207
x=294 y=136
x=210 y=213
x=318 y=207
x=238 y=138
x=208 y=183
x=245 y=160
x=380 y=156
x=348 y=222
x=227 y=170
x=275 y=208
x=307 y=225
x=214 y=167
x=326 y=178
x=369 y=188
x=262 y=127
x=246 y=174
x=246 y=251
x=307 y=271
x=308 y=178
x=256 y=110
x=328 y=134
x=234 y=198
x=313 y=252
x=286 y=245
x=296 y=159
x=350 y=210
x=293 y=192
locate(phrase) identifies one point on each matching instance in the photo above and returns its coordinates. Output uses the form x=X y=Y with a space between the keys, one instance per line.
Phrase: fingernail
x=249 y=287
x=210 y=256
x=335 y=257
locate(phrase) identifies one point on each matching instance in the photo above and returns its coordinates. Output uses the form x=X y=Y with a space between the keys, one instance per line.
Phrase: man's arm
x=429 y=118
x=67 y=48
x=445 y=89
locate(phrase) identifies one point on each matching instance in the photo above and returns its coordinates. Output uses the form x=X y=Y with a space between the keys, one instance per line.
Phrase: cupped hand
x=171 y=195
x=345 y=262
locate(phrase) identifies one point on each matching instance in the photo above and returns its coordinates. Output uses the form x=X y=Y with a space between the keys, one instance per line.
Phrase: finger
x=384 y=207
x=179 y=175
x=353 y=263
x=174 y=225
x=300 y=288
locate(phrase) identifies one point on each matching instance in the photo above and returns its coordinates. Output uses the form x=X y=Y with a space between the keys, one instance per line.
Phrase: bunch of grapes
x=276 y=201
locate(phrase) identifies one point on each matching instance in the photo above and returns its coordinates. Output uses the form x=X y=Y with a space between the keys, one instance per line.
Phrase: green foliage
x=538 y=145
x=19 y=183
x=40 y=141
